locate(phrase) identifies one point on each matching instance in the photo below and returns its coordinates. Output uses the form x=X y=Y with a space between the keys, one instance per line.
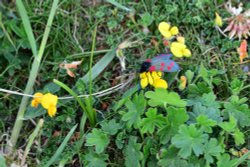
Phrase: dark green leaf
x=98 y=139
x=95 y=160
x=189 y=139
x=206 y=123
x=238 y=137
x=224 y=161
x=132 y=153
x=110 y=127
x=229 y=126
x=212 y=148
x=152 y=121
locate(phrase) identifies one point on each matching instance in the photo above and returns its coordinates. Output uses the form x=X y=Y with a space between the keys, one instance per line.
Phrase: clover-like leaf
x=189 y=139
x=224 y=161
x=175 y=118
x=161 y=97
x=132 y=153
x=206 y=123
x=135 y=110
x=98 y=139
x=229 y=126
x=152 y=121
x=110 y=127
x=238 y=137
x=93 y=159
x=212 y=148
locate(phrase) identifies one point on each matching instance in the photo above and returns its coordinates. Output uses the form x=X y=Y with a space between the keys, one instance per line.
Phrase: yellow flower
x=152 y=78
x=218 y=20
x=183 y=82
x=166 y=31
x=180 y=49
x=37 y=99
x=160 y=83
x=49 y=102
x=181 y=39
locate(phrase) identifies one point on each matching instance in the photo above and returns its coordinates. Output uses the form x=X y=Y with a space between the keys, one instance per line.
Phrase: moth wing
x=164 y=65
x=162 y=56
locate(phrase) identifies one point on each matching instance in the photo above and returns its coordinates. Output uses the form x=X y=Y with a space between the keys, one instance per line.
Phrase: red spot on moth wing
x=169 y=68
x=162 y=64
x=161 y=69
x=172 y=64
x=149 y=60
x=152 y=68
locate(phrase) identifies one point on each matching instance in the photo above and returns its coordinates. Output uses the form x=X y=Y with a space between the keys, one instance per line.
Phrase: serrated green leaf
x=146 y=19
x=224 y=161
x=98 y=139
x=175 y=118
x=110 y=127
x=206 y=123
x=203 y=72
x=132 y=153
x=95 y=160
x=229 y=126
x=238 y=137
x=189 y=139
x=152 y=121
x=212 y=148
x=135 y=109
x=161 y=97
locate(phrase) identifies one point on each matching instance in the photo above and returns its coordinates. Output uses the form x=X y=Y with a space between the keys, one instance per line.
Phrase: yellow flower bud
x=218 y=20
x=181 y=39
x=37 y=99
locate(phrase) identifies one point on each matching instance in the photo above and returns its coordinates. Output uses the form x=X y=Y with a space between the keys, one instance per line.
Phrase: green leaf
x=212 y=148
x=204 y=74
x=51 y=87
x=206 y=123
x=211 y=112
x=95 y=160
x=224 y=161
x=238 y=109
x=135 y=110
x=152 y=121
x=189 y=75
x=98 y=139
x=236 y=85
x=2 y=161
x=132 y=153
x=229 y=126
x=110 y=127
x=161 y=97
x=189 y=139
x=175 y=118
x=238 y=137
x=118 y=5
x=146 y=19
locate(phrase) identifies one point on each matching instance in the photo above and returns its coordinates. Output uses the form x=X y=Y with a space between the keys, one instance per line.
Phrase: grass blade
x=119 y=5
x=61 y=147
x=27 y=26
x=99 y=66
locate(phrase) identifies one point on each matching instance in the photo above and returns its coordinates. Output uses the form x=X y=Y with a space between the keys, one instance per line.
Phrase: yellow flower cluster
x=48 y=101
x=154 y=79
x=179 y=49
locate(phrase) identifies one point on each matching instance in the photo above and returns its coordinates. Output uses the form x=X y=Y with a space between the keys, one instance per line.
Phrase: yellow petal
x=174 y=30
x=186 y=52
x=160 y=83
x=49 y=100
x=176 y=51
x=181 y=39
x=150 y=78
x=159 y=73
x=163 y=27
x=144 y=83
x=143 y=75
x=155 y=75
x=178 y=45
x=34 y=103
x=218 y=20
x=52 y=111
x=167 y=34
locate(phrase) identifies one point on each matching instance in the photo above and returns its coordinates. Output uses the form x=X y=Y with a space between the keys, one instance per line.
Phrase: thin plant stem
x=35 y=66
